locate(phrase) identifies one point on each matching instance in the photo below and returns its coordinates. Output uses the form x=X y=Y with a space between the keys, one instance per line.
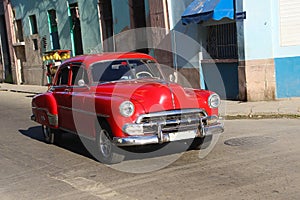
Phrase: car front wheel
x=108 y=152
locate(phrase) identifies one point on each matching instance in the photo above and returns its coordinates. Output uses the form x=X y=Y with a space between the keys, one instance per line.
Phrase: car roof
x=92 y=58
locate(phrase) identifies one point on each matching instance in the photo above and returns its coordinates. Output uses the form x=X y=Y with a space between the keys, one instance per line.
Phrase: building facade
x=271 y=58
x=243 y=50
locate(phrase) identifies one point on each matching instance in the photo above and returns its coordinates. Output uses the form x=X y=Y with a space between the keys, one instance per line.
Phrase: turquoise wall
x=121 y=15
x=90 y=28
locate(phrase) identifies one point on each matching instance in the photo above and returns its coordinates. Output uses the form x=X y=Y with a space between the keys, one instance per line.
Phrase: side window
x=79 y=73
x=63 y=76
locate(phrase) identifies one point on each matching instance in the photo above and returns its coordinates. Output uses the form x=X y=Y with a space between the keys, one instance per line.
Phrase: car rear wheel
x=108 y=151
x=50 y=135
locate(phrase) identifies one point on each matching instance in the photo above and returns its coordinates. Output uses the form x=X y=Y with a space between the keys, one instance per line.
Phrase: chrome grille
x=172 y=121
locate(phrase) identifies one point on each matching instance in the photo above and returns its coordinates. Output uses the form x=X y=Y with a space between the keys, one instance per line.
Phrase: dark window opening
x=18 y=28
x=76 y=28
x=53 y=29
x=138 y=20
x=4 y=49
x=79 y=73
x=222 y=41
x=138 y=15
x=35 y=44
x=63 y=76
x=105 y=8
x=33 y=24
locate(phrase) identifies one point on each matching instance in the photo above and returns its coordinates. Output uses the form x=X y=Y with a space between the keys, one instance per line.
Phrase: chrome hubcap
x=105 y=144
x=46 y=131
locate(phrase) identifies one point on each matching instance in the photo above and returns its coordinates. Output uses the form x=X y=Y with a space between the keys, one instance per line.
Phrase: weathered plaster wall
x=271 y=70
x=258 y=51
x=90 y=30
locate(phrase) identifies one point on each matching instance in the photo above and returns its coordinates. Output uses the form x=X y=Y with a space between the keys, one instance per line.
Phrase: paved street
x=253 y=159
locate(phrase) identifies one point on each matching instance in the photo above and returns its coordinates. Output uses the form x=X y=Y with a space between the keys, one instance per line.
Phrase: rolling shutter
x=289 y=22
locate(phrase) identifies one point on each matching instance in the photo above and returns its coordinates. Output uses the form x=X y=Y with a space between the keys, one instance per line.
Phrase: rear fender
x=44 y=109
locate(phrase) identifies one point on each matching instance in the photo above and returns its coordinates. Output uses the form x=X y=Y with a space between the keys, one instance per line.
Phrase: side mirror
x=171 y=78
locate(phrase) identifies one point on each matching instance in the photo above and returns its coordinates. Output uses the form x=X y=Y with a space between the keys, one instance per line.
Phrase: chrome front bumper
x=211 y=129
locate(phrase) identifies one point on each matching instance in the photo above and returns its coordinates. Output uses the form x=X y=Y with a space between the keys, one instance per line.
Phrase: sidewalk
x=289 y=108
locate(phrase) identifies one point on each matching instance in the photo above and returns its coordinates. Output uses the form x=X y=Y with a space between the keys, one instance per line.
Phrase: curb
x=262 y=116
x=26 y=92
x=252 y=116
x=18 y=91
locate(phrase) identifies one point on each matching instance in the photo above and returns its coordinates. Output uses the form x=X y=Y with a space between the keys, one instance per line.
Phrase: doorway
x=75 y=29
x=106 y=22
x=52 y=21
x=4 y=53
x=138 y=20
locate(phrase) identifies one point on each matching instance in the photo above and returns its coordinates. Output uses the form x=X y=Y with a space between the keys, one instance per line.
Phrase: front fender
x=108 y=106
x=44 y=109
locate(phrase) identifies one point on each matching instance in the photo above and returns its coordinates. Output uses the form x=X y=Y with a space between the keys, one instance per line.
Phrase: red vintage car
x=124 y=99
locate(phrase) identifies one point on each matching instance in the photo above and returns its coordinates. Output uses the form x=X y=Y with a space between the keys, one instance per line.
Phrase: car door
x=83 y=113
x=62 y=93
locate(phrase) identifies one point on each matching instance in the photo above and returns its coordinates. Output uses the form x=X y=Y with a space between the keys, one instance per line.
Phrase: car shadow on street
x=68 y=141
x=81 y=146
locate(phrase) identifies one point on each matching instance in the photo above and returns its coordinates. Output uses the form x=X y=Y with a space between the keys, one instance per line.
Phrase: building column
x=9 y=18
x=260 y=80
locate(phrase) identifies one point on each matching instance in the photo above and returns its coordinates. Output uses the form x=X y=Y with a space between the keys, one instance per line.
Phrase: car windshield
x=124 y=70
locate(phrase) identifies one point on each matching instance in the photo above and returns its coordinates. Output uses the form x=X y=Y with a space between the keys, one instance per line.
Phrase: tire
x=107 y=152
x=201 y=143
x=48 y=134
x=51 y=136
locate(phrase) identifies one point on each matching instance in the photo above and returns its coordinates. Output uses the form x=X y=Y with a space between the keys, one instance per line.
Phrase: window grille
x=222 y=41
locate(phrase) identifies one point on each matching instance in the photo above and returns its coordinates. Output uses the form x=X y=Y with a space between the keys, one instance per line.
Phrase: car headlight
x=126 y=108
x=214 y=101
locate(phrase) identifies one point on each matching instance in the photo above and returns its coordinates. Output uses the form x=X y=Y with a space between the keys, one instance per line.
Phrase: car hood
x=154 y=95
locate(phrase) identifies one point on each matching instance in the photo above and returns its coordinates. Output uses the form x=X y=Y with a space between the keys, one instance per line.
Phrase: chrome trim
x=171 y=112
x=209 y=99
x=214 y=129
x=52 y=118
x=162 y=138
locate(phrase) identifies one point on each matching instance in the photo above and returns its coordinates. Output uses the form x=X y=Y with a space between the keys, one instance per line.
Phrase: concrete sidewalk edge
x=287 y=108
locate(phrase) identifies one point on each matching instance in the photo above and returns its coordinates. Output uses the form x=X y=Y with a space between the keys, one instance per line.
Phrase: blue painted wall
x=222 y=78
x=258 y=29
x=262 y=41
x=287 y=61
x=288 y=77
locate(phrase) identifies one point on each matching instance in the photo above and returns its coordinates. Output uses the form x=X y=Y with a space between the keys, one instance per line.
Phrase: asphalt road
x=253 y=159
